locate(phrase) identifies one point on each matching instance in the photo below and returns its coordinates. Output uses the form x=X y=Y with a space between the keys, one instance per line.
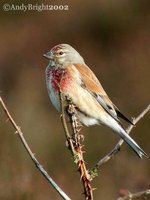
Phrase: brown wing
x=92 y=84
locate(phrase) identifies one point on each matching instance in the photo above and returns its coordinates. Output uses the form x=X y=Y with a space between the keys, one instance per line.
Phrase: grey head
x=64 y=54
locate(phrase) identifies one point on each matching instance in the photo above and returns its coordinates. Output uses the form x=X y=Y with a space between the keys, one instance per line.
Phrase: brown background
x=114 y=39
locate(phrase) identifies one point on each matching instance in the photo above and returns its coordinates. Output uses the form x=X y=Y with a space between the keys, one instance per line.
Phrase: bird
x=68 y=72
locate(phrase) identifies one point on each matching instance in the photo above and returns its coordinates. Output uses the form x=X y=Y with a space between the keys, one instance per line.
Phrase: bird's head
x=63 y=54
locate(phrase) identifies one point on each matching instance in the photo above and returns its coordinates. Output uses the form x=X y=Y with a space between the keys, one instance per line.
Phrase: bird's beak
x=49 y=55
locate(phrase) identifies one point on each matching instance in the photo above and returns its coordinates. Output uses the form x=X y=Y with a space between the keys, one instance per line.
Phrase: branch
x=137 y=196
x=116 y=149
x=74 y=144
x=64 y=123
x=36 y=162
x=85 y=176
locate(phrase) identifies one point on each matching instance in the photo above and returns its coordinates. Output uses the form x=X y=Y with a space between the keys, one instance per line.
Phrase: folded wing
x=92 y=84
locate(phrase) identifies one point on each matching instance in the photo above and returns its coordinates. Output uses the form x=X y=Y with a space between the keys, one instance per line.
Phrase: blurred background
x=114 y=39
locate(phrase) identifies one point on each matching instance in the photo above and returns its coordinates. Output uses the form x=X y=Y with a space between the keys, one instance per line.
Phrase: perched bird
x=67 y=70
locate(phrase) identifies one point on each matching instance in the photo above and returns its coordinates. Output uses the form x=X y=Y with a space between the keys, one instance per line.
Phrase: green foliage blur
x=114 y=39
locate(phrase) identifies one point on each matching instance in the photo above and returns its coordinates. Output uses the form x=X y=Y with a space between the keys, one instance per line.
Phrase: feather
x=121 y=115
x=92 y=84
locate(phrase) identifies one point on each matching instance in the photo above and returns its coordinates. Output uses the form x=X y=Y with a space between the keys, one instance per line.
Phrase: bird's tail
x=131 y=143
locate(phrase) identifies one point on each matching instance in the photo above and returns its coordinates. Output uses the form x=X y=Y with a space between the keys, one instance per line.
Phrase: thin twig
x=36 y=162
x=85 y=176
x=63 y=120
x=75 y=147
x=116 y=149
x=137 y=196
x=74 y=144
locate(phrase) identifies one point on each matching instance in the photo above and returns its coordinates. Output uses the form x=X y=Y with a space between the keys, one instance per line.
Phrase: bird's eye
x=61 y=53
